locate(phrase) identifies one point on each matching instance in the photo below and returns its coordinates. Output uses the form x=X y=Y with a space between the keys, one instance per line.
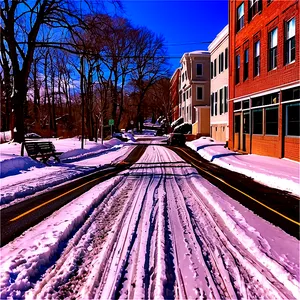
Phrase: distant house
x=174 y=93
x=219 y=86
x=194 y=93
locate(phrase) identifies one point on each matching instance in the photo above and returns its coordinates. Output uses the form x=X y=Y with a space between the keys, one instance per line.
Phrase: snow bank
x=5 y=136
x=25 y=258
x=270 y=171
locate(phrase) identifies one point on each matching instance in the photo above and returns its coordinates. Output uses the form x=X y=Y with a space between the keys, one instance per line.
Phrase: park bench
x=43 y=150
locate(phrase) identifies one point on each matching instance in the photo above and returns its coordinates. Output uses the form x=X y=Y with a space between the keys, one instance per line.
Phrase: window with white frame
x=226 y=98
x=237 y=69
x=254 y=8
x=199 y=69
x=212 y=104
x=226 y=58
x=290 y=41
x=240 y=17
x=211 y=70
x=221 y=101
x=256 y=58
x=246 y=64
x=216 y=104
x=273 y=40
x=199 y=93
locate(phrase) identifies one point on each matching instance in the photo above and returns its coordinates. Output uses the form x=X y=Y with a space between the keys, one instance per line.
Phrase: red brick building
x=264 y=77
x=174 y=93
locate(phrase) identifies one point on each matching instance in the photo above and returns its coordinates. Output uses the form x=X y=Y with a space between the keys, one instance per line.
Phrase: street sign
x=111 y=122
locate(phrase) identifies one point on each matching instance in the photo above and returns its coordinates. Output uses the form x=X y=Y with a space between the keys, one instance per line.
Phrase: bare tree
x=22 y=26
x=150 y=61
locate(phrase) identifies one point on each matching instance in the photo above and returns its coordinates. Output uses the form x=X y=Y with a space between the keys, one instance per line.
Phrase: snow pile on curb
x=25 y=259
x=270 y=171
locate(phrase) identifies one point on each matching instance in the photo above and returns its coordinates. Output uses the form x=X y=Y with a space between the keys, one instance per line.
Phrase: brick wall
x=291 y=148
x=272 y=15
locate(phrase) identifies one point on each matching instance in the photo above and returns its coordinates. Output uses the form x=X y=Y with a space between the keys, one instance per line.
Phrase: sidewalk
x=278 y=173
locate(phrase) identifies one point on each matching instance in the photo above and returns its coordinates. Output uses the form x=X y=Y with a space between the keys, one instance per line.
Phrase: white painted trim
x=219 y=122
x=290 y=101
x=266 y=92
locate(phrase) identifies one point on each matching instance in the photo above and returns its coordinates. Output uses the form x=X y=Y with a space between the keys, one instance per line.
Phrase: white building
x=218 y=49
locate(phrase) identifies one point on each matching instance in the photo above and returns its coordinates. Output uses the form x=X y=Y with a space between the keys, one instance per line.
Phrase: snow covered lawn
x=278 y=173
x=23 y=176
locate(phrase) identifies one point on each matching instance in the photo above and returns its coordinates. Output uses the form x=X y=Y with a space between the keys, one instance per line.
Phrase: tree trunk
x=19 y=99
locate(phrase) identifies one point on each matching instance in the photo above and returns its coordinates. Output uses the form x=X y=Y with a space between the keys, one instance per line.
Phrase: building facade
x=174 y=93
x=264 y=77
x=219 y=128
x=194 y=93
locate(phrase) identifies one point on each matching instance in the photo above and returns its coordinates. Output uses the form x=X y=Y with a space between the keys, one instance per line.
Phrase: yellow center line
x=266 y=206
x=53 y=199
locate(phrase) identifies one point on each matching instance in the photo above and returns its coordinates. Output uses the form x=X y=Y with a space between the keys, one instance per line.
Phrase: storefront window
x=246 y=122
x=257 y=117
x=292 y=119
x=272 y=120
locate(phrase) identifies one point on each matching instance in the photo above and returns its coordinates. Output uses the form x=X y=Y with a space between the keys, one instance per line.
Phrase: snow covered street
x=158 y=230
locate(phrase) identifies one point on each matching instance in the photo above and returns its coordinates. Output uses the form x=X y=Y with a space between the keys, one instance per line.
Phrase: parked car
x=32 y=135
x=121 y=136
x=176 y=139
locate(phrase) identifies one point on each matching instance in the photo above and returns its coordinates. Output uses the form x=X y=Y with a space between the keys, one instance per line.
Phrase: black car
x=176 y=139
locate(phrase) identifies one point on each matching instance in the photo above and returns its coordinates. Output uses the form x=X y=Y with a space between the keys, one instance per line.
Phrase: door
x=237 y=131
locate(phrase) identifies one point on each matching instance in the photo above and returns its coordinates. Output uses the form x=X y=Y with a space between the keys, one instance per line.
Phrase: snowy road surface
x=159 y=230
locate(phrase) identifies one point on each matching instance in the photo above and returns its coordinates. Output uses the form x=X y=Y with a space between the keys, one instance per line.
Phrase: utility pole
x=82 y=100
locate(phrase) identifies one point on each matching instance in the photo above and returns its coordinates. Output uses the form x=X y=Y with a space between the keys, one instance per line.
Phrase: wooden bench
x=43 y=150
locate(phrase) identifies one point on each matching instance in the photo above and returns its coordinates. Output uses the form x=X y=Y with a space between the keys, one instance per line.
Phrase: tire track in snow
x=246 y=267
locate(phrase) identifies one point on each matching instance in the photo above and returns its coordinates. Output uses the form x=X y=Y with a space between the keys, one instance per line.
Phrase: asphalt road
x=17 y=218
x=276 y=206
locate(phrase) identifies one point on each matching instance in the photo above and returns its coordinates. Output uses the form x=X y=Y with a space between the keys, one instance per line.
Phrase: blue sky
x=184 y=24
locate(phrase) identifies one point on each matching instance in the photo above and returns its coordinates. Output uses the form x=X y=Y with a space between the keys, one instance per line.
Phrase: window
x=246 y=122
x=291 y=94
x=237 y=105
x=216 y=104
x=290 y=42
x=272 y=120
x=211 y=70
x=292 y=119
x=226 y=98
x=273 y=49
x=240 y=17
x=246 y=64
x=199 y=93
x=257 y=117
x=221 y=101
x=199 y=70
x=245 y=104
x=226 y=58
x=182 y=77
x=215 y=67
x=237 y=69
x=254 y=8
x=212 y=104
x=258 y=101
x=222 y=61
x=256 y=58
x=237 y=123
